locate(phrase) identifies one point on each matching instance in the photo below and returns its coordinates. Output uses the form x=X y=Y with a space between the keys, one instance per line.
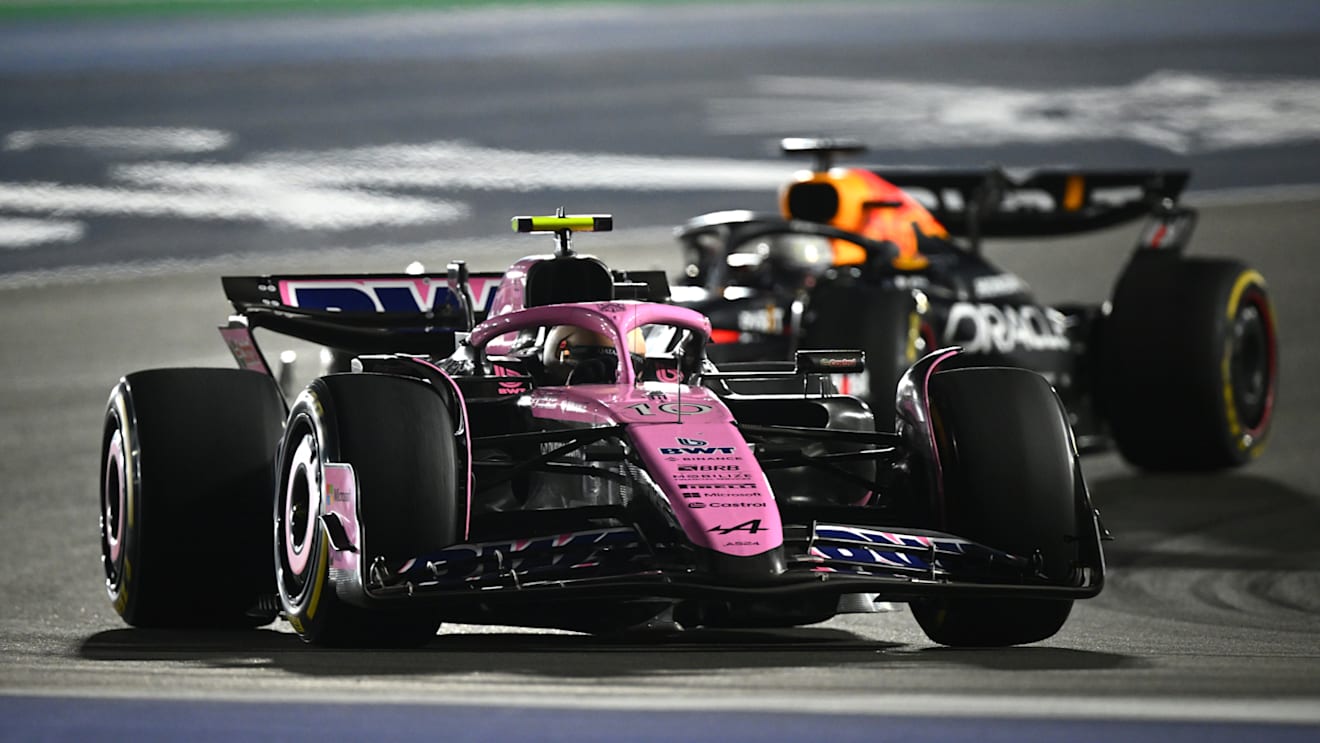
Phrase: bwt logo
x=404 y=295
x=694 y=446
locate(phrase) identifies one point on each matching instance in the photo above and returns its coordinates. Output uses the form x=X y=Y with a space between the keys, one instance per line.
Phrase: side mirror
x=829 y=362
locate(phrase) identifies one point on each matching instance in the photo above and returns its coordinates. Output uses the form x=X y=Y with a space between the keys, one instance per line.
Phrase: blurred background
x=139 y=131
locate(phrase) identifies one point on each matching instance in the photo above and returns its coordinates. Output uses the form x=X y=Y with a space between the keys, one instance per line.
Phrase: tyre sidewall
x=120 y=535
x=302 y=604
x=1013 y=492
x=187 y=444
x=1017 y=493
x=396 y=495
x=1168 y=388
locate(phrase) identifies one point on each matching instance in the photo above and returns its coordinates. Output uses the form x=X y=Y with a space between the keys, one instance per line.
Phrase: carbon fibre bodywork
x=853 y=249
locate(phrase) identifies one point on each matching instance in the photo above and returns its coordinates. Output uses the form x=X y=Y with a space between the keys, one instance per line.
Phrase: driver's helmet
x=575 y=355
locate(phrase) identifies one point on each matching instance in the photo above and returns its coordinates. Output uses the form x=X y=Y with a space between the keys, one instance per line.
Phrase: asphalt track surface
x=1209 y=627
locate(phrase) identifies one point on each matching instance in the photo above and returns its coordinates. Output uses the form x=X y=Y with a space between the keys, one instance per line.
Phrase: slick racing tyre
x=1011 y=491
x=398 y=436
x=1189 y=363
x=187 y=468
x=884 y=323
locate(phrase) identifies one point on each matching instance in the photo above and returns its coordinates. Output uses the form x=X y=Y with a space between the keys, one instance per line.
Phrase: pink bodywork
x=685 y=435
x=513 y=288
x=240 y=343
x=339 y=496
x=718 y=491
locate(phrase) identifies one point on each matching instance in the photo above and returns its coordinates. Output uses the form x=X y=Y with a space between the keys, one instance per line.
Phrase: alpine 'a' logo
x=751 y=527
x=690 y=442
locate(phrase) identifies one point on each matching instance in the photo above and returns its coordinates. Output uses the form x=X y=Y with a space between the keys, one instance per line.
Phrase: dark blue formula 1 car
x=558 y=451
x=1178 y=368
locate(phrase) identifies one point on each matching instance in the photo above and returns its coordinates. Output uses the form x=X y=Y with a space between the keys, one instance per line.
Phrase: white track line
x=401 y=253
x=140 y=140
x=588 y=697
x=1178 y=111
x=482 y=254
x=17 y=233
x=274 y=201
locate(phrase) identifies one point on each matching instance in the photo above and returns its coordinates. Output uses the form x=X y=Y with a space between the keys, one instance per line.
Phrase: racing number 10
x=672 y=408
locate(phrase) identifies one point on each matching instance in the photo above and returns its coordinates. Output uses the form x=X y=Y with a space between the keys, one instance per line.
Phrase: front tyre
x=1010 y=479
x=398 y=436
x=187 y=463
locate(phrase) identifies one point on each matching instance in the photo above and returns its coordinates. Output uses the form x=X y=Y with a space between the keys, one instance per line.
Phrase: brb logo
x=694 y=446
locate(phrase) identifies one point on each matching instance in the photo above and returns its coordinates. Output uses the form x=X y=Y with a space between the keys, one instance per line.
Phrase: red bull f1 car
x=1178 y=368
x=553 y=448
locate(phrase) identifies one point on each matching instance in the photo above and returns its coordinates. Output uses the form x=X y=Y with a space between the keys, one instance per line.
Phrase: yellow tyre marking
x=1245 y=279
x=121 y=602
x=322 y=558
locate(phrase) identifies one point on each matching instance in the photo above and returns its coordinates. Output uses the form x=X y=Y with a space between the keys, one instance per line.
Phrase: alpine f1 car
x=1178 y=368
x=553 y=448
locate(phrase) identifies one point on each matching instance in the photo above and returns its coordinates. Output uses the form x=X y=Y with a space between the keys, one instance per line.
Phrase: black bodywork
x=771 y=305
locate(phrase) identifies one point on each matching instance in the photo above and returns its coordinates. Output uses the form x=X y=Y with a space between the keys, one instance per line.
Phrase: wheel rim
x=297 y=512
x=1251 y=365
x=114 y=506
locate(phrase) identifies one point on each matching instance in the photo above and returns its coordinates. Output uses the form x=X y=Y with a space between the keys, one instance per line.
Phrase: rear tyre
x=1009 y=481
x=187 y=467
x=1190 y=363
x=884 y=323
x=398 y=436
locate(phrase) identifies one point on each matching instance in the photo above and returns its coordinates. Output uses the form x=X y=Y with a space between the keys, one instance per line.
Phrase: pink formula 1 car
x=551 y=447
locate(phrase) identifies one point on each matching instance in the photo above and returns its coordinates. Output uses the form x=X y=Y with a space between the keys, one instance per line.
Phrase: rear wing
x=389 y=313
x=994 y=202
x=998 y=202
x=363 y=313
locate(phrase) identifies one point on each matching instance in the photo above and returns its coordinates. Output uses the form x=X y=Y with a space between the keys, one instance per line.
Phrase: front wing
x=826 y=558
